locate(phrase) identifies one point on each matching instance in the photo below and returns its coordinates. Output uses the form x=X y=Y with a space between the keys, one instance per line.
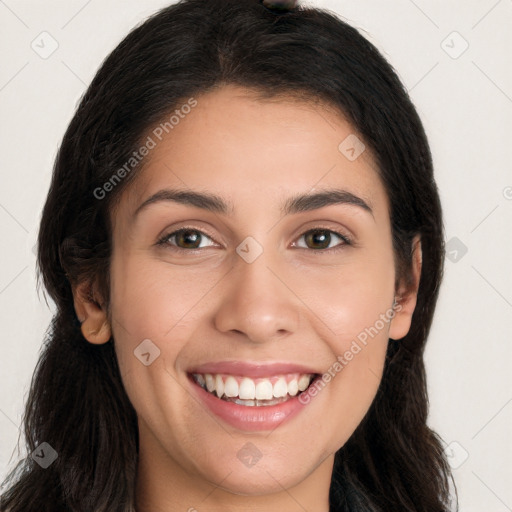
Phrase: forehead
x=246 y=149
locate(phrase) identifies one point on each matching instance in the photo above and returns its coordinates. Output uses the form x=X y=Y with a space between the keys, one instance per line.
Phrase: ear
x=91 y=313
x=407 y=294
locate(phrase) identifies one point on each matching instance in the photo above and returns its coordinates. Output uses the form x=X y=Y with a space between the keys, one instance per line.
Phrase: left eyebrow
x=294 y=204
x=308 y=202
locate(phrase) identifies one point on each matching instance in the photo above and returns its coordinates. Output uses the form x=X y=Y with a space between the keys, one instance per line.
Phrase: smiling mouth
x=254 y=392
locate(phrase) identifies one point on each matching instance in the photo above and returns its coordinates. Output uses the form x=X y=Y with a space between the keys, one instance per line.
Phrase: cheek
x=150 y=297
x=153 y=301
x=352 y=312
x=351 y=297
x=147 y=304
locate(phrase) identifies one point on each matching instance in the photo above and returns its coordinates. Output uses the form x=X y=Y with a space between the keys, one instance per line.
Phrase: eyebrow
x=295 y=204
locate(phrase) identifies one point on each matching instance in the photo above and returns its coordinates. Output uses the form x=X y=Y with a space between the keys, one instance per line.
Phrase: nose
x=258 y=302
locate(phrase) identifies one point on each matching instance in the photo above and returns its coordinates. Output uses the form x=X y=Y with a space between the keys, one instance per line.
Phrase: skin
x=294 y=303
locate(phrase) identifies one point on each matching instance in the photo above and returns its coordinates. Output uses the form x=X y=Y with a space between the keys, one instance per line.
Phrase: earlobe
x=407 y=294
x=92 y=316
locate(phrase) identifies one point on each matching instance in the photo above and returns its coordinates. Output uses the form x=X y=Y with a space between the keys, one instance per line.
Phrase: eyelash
x=164 y=241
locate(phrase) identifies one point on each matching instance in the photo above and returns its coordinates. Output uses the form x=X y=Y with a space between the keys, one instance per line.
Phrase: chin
x=260 y=478
x=248 y=483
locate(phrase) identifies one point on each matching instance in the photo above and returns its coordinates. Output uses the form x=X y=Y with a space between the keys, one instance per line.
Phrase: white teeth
x=210 y=382
x=250 y=403
x=247 y=389
x=304 y=382
x=293 y=387
x=264 y=390
x=280 y=388
x=231 y=387
x=219 y=385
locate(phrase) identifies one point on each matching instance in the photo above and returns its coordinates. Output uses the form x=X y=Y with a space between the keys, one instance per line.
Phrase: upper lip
x=251 y=369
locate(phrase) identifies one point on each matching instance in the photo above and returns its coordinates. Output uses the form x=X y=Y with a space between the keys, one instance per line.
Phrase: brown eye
x=317 y=239
x=184 y=238
x=188 y=239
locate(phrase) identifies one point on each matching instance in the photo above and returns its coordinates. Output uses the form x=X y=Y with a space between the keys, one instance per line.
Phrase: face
x=281 y=277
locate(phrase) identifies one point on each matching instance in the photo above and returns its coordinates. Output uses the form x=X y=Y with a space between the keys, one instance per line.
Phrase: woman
x=244 y=241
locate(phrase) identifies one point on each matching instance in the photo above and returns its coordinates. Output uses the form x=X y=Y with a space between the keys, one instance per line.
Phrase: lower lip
x=246 y=417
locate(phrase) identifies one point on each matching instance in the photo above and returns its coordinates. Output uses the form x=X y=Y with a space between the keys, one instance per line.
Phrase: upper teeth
x=246 y=388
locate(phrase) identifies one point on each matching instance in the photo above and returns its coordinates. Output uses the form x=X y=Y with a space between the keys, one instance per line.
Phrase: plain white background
x=453 y=57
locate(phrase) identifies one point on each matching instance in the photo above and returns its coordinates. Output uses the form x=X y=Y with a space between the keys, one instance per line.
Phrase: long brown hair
x=77 y=403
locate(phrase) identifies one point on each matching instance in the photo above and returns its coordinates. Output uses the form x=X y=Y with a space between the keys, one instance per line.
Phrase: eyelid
x=347 y=239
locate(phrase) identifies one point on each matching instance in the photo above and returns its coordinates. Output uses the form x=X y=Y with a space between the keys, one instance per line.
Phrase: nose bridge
x=257 y=302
